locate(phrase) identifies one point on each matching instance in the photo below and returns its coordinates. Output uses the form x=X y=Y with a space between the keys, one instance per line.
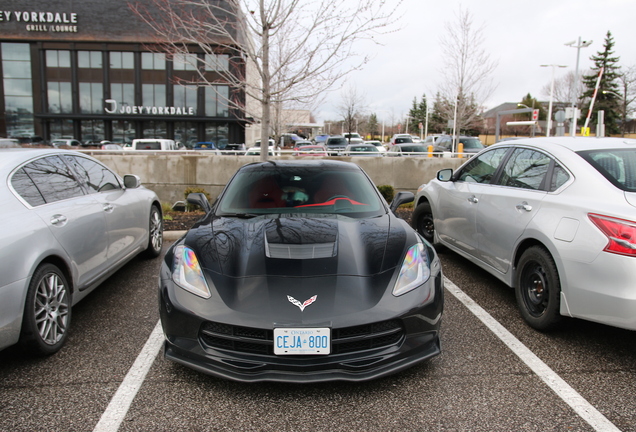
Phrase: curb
x=173 y=235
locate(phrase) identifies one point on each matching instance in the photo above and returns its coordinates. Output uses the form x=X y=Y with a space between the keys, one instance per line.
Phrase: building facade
x=93 y=70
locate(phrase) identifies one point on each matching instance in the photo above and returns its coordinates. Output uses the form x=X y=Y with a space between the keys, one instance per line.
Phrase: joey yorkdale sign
x=36 y=21
x=112 y=108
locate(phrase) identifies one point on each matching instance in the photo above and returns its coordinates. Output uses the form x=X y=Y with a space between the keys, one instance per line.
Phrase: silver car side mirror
x=132 y=181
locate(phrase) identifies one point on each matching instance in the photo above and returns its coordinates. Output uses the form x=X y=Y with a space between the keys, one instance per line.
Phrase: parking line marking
x=570 y=396
x=121 y=401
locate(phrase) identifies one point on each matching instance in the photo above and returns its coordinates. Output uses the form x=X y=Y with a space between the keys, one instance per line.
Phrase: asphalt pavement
x=493 y=374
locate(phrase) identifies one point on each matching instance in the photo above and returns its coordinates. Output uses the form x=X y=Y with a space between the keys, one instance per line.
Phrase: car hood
x=299 y=246
x=254 y=268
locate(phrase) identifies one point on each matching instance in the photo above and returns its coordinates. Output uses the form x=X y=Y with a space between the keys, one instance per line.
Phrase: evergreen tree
x=531 y=102
x=372 y=125
x=417 y=113
x=608 y=97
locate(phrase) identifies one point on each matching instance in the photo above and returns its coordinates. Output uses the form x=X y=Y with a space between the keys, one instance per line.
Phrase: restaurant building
x=93 y=70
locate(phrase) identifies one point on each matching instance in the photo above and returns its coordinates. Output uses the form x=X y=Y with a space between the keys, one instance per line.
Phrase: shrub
x=387 y=192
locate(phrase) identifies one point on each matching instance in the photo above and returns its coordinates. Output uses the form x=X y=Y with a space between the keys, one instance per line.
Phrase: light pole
x=549 y=128
x=580 y=44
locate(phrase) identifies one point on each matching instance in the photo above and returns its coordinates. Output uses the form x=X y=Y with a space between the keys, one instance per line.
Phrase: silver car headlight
x=414 y=271
x=186 y=272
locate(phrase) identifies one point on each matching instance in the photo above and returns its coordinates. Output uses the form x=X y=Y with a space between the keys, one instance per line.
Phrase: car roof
x=574 y=144
x=11 y=157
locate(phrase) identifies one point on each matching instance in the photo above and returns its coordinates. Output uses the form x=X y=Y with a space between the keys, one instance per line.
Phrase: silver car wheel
x=155 y=233
x=51 y=309
x=47 y=313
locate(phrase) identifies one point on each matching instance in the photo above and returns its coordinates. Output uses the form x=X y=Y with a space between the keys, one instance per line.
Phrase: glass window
x=124 y=94
x=92 y=131
x=186 y=62
x=216 y=101
x=153 y=61
x=616 y=165
x=154 y=129
x=58 y=58
x=185 y=96
x=153 y=94
x=60 y=97
x=61 y=128
x=25 y=187
x=89 y=59
x=481 y=169
x=559 y=177
x=525 y=169
x=91 y=97
x=217 y=133
x=217 y=62
x=96 y=177
x=16 y=52
x=53 y=178
x=18 y=100
x=122 y=60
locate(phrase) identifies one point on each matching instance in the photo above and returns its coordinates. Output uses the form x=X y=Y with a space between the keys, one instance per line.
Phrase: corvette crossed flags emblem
x=302 y=305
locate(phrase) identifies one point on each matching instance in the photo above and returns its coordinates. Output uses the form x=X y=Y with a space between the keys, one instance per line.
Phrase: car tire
x=538 y=289
x=47 y=311
x=422 y=221
x=155 y=233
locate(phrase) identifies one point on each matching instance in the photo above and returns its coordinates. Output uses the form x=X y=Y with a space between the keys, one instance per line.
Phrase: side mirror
x=445 y=174
x=132 y=181
x=400 y=198
x=199 y=199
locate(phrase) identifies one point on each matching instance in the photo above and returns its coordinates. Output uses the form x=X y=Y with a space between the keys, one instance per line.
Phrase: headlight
x=187 y=273
x=415 y=270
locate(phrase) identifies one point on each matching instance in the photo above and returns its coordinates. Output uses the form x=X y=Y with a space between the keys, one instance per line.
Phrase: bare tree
x=467 y=71
x=627 y=81
x=562 y=88
x=351 y=108
x=295 y=49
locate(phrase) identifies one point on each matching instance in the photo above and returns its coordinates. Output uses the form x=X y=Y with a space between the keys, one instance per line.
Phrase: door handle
x=58 y=219
x=108 y=207
x=524 y=206
x=473 y=199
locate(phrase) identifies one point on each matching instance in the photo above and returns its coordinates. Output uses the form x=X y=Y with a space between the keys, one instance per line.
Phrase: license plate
x=302 y=341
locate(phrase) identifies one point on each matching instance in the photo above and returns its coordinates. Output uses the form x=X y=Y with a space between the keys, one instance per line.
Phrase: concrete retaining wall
x=170 y=173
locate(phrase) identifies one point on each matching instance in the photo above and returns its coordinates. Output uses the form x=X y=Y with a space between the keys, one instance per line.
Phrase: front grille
x=261 y=341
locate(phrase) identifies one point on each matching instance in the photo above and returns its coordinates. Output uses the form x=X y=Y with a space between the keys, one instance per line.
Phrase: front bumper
x=367 y=347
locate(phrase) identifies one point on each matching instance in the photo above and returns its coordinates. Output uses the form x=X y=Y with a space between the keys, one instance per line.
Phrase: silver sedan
x=68 y=222
x=555 y=218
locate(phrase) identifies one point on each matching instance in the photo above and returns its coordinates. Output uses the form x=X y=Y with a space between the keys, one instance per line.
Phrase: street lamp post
x=549 y=128
x=580 y=44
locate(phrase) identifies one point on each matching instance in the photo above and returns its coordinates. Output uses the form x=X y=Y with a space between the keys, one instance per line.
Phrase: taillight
x=620 y=232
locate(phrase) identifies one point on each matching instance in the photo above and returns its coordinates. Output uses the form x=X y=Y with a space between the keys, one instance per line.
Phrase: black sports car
x=301 y=272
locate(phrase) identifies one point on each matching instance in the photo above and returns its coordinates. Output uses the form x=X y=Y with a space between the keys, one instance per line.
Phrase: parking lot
x=494 y=374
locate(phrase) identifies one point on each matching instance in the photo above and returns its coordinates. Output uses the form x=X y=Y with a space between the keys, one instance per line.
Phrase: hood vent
x=300 y=251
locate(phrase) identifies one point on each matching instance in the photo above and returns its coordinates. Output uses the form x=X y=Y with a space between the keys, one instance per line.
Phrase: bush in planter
x=387 y=192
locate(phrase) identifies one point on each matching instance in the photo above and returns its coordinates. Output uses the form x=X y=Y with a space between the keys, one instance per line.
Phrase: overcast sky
x=519 y=35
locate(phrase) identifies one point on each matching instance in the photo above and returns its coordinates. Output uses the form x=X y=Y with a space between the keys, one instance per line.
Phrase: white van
x=152 y=144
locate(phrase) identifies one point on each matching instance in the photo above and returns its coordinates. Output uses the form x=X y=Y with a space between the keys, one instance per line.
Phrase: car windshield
x=300 y=189
x=336 y=141
x=401 y=140
x=413 y=149
x=617 y=165
x=471 y=143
